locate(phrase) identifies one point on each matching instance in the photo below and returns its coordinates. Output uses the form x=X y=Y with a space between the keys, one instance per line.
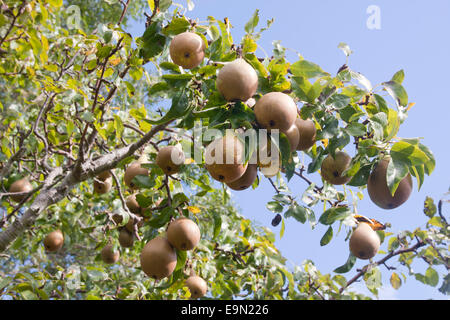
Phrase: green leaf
x=347 y=266
x=179 y=108
x=409 y=154
x=297 y=212
x=252 y=23
x=143 y=181
x=373 y=279
x=395 y=173
x=395 y=280
x=282 y=228
x=397 y=92
x=327 y=236
x=274 y=206
x=334 y=214
x=429 y=207
x=304 y=68
x=432 y=277
x=398 y=77
x=176 y=26
x=356 y=129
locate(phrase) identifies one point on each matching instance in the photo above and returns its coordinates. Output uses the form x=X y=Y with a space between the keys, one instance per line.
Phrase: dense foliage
x=81 y=96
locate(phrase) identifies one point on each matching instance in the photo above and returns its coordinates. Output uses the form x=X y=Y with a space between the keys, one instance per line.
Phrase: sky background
x=413 y=37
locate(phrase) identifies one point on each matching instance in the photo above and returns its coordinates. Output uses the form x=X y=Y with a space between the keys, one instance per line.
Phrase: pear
x=197 y=286
x=183 y=234
x=332 y=168
x=237 y=80
x=224 y=159
x=102 y=186
x=379 y=191
x=169 y=159
x=133 y=205
x=54 y=241
x=307 y=131
x=275 y=110
x=22 y=185
x=364 y=242
x=158 y=258
x=133 y=170
x=246 y=180
x=293 y=135
x=187 y=50
x=126 y=238
x=109 y=256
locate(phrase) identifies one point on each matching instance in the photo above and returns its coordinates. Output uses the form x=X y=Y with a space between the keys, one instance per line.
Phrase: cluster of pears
x=238 y=81
x=332 y=170
x=159 y=257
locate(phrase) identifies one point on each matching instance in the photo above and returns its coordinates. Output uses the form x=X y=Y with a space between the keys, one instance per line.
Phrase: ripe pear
x=104 y=175
x=183 y=234
x=102 y=186
x=197 y=286
x=133 y=170
x=237 y=80
x=110 y=256
x=169 y=159
x=54 y=241
x=379 y=191
x=22 y=185
x=276 y=110
x=293 y=136
x=246 y=180
x=224 y=159
x=126 y=238
x=307 y=131
x=187 y=49
x=364 y=242
x=158 y=258
x=332 y=168
x=133 y=205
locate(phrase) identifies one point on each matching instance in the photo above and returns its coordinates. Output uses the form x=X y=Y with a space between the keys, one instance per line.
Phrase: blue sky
x=413 y=37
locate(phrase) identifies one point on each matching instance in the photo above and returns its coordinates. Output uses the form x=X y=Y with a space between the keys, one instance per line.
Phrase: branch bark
x=51 y=194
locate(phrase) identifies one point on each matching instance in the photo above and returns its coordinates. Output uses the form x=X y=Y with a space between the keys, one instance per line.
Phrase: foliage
x=78 y=100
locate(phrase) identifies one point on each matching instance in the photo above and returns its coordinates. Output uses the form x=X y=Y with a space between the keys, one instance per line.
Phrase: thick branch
x=53 y=194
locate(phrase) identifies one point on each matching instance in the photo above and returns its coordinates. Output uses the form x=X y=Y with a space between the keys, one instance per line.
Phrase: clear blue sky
x=413 y=37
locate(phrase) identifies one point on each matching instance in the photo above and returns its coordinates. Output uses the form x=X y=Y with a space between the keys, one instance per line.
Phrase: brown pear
x=54 y=241
x=332 y=168
x=22 y=185
x=307 y=131
x=132 y=171
x=104 y=175
x=187 y=49
x=246 y=180
x=110 y=256
x=364 y=242
x=293 y=135
x=126 y=238
x=197 y=286
x=102 y=186
x=224 y=159
x=276 y=110
x=158 y=258
x=183 y=234
x=169 y=159
x=133 y=205
x=237 y=80
x=379 y=191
